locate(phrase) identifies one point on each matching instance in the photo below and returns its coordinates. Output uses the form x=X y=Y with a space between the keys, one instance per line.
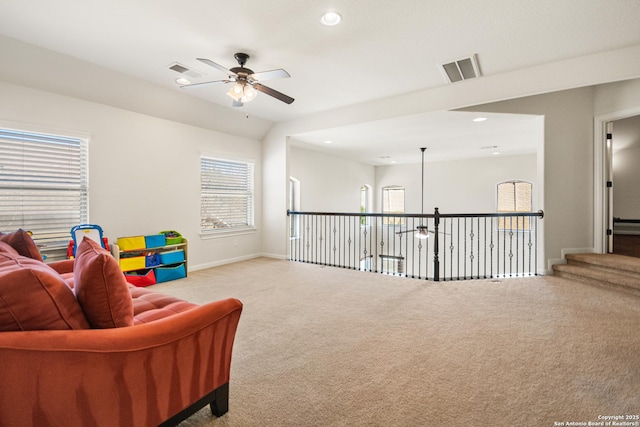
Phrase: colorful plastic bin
x=172 y=237
x=165 y=274
x=171 y=257
x=131 y=243
x=141 y=278
x=133 y=263
x=154 y=241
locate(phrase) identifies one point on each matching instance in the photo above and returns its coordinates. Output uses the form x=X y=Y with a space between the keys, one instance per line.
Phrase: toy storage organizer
x=146 y=260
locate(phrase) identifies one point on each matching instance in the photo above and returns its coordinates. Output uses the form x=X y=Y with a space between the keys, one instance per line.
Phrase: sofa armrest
x=138 y=376
x=63 y=266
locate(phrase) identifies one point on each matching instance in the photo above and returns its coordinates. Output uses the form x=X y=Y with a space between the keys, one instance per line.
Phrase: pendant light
x=422 y=229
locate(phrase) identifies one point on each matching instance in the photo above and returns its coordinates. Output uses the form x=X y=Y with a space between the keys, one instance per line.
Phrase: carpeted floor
x=323 y=346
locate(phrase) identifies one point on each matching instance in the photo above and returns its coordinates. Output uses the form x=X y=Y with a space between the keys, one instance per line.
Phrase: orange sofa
x=79 y=346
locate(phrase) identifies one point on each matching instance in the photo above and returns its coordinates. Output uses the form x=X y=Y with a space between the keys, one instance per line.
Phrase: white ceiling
x=381 y=49
x=447 y=135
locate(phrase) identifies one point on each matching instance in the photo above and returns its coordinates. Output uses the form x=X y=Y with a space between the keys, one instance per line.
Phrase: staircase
x=615 y=271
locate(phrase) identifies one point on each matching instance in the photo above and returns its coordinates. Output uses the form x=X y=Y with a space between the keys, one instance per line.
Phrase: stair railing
x=426 y=246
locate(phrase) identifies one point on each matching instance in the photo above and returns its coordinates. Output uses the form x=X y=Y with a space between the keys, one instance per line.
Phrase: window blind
x=393 y=203
x=514 y=196
x=226 y=194
x=43 y=185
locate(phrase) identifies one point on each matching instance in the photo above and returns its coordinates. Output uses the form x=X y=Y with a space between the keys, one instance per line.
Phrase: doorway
x=616 y=178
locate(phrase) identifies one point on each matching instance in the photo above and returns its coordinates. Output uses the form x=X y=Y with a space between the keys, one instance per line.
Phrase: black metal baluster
x=436 y=245
x=471 y=256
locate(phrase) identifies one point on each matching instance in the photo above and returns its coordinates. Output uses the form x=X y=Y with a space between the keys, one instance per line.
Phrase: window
x=365 y=203
x=294 y=205
x=226 y=195
x=514 y=196
x=393 y=203
x=43 y=186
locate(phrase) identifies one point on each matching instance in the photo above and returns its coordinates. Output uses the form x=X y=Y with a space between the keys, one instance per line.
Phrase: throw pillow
x=22 y=242
x=34 y=297
x=100 y=286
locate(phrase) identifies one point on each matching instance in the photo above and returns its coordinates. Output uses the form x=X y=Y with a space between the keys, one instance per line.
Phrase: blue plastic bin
x=164 y=274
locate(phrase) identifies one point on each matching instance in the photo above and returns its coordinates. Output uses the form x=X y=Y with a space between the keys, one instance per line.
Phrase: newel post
x=436 y=256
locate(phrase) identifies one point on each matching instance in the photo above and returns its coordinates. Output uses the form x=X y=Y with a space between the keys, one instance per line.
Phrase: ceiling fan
x=422 y=231
x=247 y=83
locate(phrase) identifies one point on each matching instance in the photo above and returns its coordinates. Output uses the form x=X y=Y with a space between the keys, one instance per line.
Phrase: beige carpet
x=323 y=346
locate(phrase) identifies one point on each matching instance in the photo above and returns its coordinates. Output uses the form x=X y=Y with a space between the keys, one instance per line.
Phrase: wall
x=144 y=172
x=568 y=165
x=327 y=183
x=452 y=188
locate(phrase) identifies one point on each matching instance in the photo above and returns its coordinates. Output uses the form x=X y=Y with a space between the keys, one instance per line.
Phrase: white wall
x=332 y=184
x=144 y=172
x=463 y=186
x=327 y=183
x=568 y=165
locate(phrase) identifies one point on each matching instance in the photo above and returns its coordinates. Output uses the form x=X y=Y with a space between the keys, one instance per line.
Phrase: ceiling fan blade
x=207 y=83
x=421 y=228
x=405 y=231
x=271 y=74
x=216 y=66
x=272 y=92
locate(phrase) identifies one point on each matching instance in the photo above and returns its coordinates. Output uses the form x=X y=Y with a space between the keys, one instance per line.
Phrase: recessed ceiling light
x=393 y=161
x=183 y=81
x=479 y=119
x=328 y=142
x=496 y=153
x=330 y=19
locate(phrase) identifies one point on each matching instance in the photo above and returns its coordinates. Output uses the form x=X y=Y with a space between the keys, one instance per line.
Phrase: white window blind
x=514 y=196
x=43 y=185
x=393 y=203
x=226 y=195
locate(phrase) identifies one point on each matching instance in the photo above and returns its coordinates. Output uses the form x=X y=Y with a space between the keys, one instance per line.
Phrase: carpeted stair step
x=615 y=271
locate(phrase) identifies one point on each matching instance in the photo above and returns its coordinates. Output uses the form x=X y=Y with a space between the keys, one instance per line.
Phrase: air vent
x=183 y=69
x=461 y=69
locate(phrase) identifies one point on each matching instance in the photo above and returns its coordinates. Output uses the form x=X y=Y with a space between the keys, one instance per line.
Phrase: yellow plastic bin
x=131 y=243
x=133 y=263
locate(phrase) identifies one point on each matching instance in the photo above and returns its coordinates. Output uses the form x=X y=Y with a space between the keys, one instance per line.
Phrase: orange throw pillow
x=34 y=297
x=100 y=287
x=22 y=243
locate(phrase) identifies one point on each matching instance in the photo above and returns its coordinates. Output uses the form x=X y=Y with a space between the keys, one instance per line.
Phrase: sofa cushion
x=22 y=242
x=149 y=306
x=34 y=297
x=100 y=287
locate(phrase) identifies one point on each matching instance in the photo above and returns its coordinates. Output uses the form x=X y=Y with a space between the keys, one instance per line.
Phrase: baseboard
x=564 y=252
x=274 y=256
x=223 y=262
x=232 y=260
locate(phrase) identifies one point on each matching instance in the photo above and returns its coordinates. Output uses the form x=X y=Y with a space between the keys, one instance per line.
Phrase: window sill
x=227 y=233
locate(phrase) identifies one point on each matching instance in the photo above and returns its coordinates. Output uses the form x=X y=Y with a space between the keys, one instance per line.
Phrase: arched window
x=294 y=205
x=365 y=202
x=514 y=196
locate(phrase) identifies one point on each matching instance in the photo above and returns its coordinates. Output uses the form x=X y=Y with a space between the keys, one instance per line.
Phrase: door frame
x=600 y=160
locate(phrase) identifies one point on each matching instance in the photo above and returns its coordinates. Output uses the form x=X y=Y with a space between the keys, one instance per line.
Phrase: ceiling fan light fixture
x=249 y=93
x=422 y=234
x=242 y=92
x=330 y=18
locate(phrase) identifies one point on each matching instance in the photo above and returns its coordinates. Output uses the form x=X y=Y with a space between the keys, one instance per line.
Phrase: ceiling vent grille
x=461 y=69
x=183 y=69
